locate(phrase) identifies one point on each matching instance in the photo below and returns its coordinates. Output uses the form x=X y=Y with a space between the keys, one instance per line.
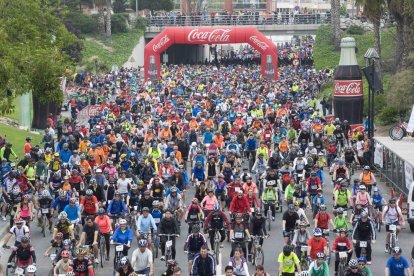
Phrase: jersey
x=288 y=262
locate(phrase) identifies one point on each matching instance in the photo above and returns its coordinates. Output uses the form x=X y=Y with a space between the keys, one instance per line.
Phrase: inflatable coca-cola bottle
x=348 y=98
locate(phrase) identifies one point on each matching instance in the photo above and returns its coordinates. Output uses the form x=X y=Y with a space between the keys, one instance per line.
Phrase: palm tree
x=100 y=5
x=108 y=19
x=336 y=22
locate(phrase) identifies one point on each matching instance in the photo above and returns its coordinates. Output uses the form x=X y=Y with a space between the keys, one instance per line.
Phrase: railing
x=248 y=19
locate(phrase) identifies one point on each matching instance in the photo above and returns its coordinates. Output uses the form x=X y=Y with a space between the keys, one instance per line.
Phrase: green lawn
x=115 y=52
x=17 y=137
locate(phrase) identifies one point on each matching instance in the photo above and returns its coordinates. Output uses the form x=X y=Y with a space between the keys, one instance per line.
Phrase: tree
x=403 y=12
x=336 y=22
x=32 y=56
x=159 y=5
x=119 y=6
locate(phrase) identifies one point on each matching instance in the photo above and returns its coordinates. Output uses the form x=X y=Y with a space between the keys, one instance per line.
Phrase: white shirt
x=123 y=185
x=141 y=260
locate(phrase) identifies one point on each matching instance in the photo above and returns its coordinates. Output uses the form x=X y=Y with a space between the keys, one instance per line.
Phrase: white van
x=410 y=207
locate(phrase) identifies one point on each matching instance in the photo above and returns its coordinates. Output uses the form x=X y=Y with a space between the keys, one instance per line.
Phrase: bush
x=389 y=115
x=141 y=23
x=84 y=23
x=119 y=22
x=356 y=30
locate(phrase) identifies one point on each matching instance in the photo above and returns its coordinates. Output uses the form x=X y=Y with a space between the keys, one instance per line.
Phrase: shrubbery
x=356 y=30
x=119 y=22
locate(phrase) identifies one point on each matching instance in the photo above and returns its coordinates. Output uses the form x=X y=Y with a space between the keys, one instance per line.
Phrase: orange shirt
x=104 y=224
x=27 y=148
x=179 y=156
x=85 y=167
x=318 y=128
x=284 y=146
x=209 y=123
x=219 y=140
x=193 y=124
x=165 y=134
x=148 y=136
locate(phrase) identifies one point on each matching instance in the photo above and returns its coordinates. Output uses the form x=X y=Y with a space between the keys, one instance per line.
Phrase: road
x=272 y=247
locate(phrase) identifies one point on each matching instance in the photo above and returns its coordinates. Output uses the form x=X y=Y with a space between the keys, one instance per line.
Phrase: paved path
x=272 y=247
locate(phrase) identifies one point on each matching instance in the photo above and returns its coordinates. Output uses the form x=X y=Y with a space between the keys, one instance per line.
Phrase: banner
x=408 y=174
x=210 y=35
x=379 y=155
x=410 y=126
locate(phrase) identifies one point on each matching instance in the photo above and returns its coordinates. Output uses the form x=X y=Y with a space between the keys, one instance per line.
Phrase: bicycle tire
x=44 y=226
x=401 y=133
x=329 y=255
x=304 y=265
x=378 y=226
x=392 y=243
x=156 y=245
x=217 y=251
x=258 y=257
x=269 y=219
x=102 y=250
x=168 y=256
x=341 y=269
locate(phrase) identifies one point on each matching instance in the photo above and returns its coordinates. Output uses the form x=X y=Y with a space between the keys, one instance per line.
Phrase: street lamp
x=371 y=56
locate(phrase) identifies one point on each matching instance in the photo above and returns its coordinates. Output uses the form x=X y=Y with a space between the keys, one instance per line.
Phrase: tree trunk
x=41 y=112
x=108 y=20
x=335 y=22
x=101 y=21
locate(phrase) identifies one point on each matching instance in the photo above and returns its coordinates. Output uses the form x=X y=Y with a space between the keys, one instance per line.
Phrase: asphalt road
x=272 y=247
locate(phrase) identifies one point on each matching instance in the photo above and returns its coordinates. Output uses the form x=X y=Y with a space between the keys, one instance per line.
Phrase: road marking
x=218 y=267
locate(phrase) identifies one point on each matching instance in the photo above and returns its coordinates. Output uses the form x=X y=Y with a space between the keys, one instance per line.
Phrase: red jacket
x=340 y=242
x=239 y=205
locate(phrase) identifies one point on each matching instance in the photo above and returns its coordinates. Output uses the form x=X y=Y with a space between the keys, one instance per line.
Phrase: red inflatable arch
x=210 y=35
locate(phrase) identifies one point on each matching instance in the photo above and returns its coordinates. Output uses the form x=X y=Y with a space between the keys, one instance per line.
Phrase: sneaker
x=386 y=249
x=221 y=245
x=3 y=218
x=273 y=218
x=107 y=258
x=162 y=258
x=96 y=261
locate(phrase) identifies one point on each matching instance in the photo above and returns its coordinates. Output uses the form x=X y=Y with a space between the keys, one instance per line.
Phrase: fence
x=234 y=20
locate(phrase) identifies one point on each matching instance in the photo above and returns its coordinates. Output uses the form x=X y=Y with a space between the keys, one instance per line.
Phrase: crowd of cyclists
x=217 y=152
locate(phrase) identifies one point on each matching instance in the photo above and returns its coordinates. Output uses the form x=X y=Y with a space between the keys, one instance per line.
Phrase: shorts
x=221 y=196
x=387 y=226
x=379 y=207
x=191 y=256
x=287 y=231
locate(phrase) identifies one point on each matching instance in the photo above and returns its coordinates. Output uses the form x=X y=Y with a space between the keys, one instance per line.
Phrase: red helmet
x=65 y=253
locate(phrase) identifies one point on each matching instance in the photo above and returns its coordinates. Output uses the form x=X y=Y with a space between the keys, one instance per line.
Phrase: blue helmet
x=317 y=232
x=362 y=260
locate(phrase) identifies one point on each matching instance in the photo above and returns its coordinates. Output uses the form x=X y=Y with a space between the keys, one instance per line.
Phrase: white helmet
x=122 y=221
x=193 y=144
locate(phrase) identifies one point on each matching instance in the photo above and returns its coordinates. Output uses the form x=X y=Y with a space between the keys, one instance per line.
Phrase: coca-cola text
x=163 y=41
x=213 y=36
x=348 y=88
x=262 y=45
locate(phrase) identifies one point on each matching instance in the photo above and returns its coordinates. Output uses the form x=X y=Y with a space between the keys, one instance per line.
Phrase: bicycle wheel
x=44 y=226
x=258 y=257
x=156 y=245
x=217 y=251
x=341 y=269
x=269 y=220
x=329 y=255
x=304 y=264
x=392 y=242
x=396 y=133
x=378 y=225
x=168 y=256
x=102 y=250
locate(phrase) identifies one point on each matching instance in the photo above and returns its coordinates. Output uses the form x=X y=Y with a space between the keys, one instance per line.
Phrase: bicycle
x=363 y=245
x=14 y=269
x=102 y=248
x=377 y=219
x=392 y=239
x=304 y=263
x=217 y=244
x=156 y=244
x=257 y=254
x=119 y=248
x=343 y=262
x=168 y=246
x=399 y=131
x=45 y=220
x=325 y=235
x=90 y=254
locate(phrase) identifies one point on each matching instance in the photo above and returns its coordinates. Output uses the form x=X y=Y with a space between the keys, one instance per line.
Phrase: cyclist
x=89 y=204
x=125 y=268
x=89 y=236
x=62 y=266
x=175 y=203
x=216 y=221
x=341 y=221
x=19 y=230
x=316 y=244
x=156 y=213
x=288 y=261
x=342 y=196
x=168 y=225
x=171 y=265
x=301 y=196
x=377 y=202
x=353 y=269
x=81 y=265
x=257 y=228
x=105 y=228
x=145 y=222
x=117 y=207
x=341 y=244
x=123 y=235
x=323 y=218
x=260 y=271
x=356 y=213
x=300 y=238
x=55 y=244
x=74 y=214
x=368 y=178
x=239 y=204
x=362 y=262
x=364 y=230
x=194 y=214
x=141 y=260
x=397 y=265
x=60 y=202
x=239 y=263
x=270 y=198
x=43 y=204
x=64 y=226
x=290 y=220
x=221 y=190
x=239 y=233
x=203 y=264
x=24 y=253
x=317 y=200
x=392 y=216
x=319 y=267
x=195 y=241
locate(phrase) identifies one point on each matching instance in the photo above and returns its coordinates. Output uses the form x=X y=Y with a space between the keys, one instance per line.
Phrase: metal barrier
x=248 y=19
x=393 y=168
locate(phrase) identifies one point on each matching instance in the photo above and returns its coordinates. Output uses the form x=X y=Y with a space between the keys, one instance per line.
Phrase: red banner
x=348 y=88
x=210 y=35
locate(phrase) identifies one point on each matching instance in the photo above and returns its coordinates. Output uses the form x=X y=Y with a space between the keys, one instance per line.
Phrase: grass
x=114 y=52
x=14 y=115
x=17 y=138
x=326 y=56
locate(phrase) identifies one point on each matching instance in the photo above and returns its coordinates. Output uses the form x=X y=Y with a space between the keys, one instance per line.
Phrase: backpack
x=286 y=178
x=396 y=209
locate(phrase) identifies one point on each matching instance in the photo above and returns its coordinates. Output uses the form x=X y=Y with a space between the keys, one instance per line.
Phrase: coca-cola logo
x=348 y=88
x=262 y=45
x=214 y=36
x=164 y=40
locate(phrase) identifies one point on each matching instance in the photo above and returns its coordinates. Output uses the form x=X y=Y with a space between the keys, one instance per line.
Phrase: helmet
x=16 y=190
x=270 y=183
x=173 y=190
x=64 y=253
x=320 y=255
x=24 y=239
x=146 y=192
x=67 y=242
x=155 y=203
x=73 y=200
x=287 y=249
x=63 y=215
x=45 y=193
x=122 y=221
x=362 y=260
x=367 y=168
x=62 y=193
x=291 y=207
x=31 y=269
x=340 y=210
x=317 y=232
x=375 y=189
x=142 y=243
x=340 y=162
x=81 y=251
x=397 y=250
x=298 y=186
x=305 y=273
x=59 y=235
x=364 y=214
x=392 y=200
x=26 y=196
x=134 y=186
x=342 y=230
x=145 y=209
x=302 y=223
x=322 y=207
x=217 y=207
x=89 y=192
x=257 y=212
x=124 y=261
x=70 y=273
x=194 y=200
x=362 y=187
x=18 y=220
x=195 y=228
x=353 y=263
x=101 y=211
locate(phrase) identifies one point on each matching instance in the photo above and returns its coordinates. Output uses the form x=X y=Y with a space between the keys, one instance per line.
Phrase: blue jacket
x=321 y=176
x=251 y=144
x=65 y=155
x=62 y=203
x=122 y=237
x=117 y=207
